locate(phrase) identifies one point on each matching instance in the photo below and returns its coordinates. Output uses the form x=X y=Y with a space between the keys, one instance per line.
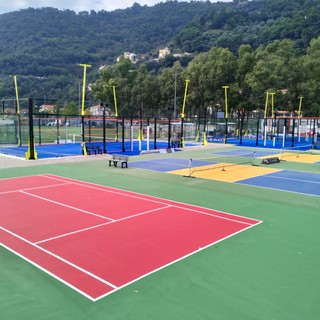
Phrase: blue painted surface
x=248 y=153
x=168 y=164
x=286 y=180
x=74 y=149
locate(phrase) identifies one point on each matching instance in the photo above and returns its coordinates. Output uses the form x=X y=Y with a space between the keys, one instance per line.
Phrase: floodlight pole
x=182 y=112
x=272 y=104
x=18 y=110
x=85 y=66
x=226 y=111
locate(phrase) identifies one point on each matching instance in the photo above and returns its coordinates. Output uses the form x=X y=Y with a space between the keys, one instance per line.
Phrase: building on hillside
x=47 y=108
x=130 y=56
x=97 y=110
x=163 y=52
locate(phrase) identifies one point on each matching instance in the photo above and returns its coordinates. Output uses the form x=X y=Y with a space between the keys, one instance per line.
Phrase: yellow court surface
x=225 y=172
x=299 y=157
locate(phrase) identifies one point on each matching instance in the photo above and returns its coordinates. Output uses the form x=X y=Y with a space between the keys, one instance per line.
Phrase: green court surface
x=268 y=272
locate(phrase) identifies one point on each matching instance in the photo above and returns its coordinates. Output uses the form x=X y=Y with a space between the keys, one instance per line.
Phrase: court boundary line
x=189 y=207
x=34 y=188
x=90 y=274
x=292 y=179
x=275 y=189
x=102 y=224
x=65 y=205
x=115 y=288
x=179 y=259
x=46 y=271
x=165 y=204
x=83 y=183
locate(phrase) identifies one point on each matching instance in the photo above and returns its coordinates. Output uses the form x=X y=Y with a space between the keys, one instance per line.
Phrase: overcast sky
x=75 y=5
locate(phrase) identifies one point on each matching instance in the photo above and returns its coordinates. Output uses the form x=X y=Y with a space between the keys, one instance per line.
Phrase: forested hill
x=44 y=46
x=254 y=22
x=48 y=36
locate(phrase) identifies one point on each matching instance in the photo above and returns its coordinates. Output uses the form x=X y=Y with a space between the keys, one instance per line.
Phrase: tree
x=208 y=72
x=71 y=109
x=275 y=64
x=310 y=64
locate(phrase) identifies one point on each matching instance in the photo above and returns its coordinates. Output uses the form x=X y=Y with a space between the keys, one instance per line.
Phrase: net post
x=189 y=169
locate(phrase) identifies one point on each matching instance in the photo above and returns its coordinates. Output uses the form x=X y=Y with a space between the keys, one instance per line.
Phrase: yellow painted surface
x=306 y=158
x=278 y=155
x=295 y=157
x=226 y=172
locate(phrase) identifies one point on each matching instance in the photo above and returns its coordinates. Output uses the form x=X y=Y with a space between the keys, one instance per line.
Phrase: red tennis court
x=98 y=239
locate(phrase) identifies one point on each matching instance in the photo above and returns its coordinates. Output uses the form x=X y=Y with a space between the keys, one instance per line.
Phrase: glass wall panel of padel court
x=201 y=231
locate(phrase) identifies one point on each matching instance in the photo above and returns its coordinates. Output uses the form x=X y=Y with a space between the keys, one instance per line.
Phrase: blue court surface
x=248 y=152
x=75 y=149
x=289 y=142
x=293 y=181
x=285 y=180
x=164 y=165
x=45 y=151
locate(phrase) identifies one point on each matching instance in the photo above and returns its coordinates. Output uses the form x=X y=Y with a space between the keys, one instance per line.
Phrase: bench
x=93 y=149
x=119 y=158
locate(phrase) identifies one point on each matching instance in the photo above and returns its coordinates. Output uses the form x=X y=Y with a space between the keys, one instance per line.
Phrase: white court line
x=158 y=200
x=291 y=179
x=49 y=273
x=65 y=205
x=100 y=225
x=277 y=189
x=138 y=196
x=175 y=261
x=61 y=259
x=35 y=188
x=168 y=163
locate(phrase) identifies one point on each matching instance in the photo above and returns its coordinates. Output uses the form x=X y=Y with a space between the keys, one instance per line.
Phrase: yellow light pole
x=182 y=112
x=17 y=93
x=115 y=100
x=185 y=98
x=226 y=111
x=299 y=111
x=18 y=109
x=266 y=106
x=85 y=66
x=272 y=104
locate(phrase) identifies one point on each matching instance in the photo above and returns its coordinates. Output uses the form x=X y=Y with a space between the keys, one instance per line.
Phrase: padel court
x=251 y=175
x=98 y=239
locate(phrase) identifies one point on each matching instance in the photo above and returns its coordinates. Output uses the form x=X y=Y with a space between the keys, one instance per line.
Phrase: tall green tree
x=310 y=89
x=275 y=64
x=208 y=73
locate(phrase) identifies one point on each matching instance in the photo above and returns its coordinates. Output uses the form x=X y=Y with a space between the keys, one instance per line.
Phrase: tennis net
x=221 y=162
